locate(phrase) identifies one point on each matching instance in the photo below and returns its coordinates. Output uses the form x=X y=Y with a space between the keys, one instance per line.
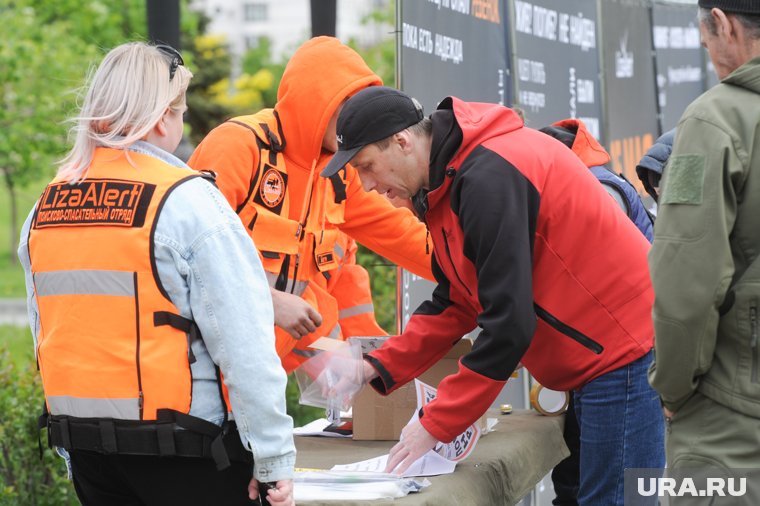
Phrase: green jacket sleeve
x=690 y=261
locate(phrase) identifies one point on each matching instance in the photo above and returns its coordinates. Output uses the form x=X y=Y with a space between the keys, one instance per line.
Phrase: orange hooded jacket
x=268 y=167
x=584 y=145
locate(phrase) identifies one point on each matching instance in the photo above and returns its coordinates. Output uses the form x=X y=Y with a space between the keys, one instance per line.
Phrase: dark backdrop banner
x=630 y=95
x=557 y=62
x=454 y=47
x=679 y=61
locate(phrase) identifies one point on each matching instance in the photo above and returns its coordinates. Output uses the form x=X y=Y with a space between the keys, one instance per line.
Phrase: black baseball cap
x=751 y=7
x=369 y=116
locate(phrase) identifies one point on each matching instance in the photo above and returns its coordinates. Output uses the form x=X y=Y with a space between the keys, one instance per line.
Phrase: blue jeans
x=622 y=426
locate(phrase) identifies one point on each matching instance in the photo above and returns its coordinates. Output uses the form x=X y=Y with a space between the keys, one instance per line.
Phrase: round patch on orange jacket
x=272 y=188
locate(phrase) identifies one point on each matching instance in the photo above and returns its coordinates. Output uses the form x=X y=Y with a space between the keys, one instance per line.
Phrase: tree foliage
x=259 y=59
x=215 y=95
x=54 y=43
x=42 y=65
x=211 y=64
x=380 y=57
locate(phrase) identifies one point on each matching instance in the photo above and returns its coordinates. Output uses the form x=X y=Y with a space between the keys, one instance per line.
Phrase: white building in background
x=287 y=23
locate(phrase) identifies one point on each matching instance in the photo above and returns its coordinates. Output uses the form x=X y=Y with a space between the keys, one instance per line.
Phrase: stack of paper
x=352 y=485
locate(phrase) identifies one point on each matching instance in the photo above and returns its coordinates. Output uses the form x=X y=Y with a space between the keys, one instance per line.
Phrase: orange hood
x=585 y=146
x=322 y=73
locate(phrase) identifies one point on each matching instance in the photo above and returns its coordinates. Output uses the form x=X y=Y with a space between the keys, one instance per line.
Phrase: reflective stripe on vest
x=356 y=310
x=85 y=281
x=121 y=409
x=292 y=286
x=102 y=350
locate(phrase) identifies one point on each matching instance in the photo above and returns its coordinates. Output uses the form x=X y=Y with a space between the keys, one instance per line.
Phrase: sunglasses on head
x=176 y=58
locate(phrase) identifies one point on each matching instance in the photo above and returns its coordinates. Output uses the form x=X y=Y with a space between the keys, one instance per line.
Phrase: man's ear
x=402 y=140
x=726 y=25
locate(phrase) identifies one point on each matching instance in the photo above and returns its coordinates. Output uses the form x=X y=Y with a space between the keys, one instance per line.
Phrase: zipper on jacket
x=753 y=343
x=140 y=396
x=566 y=329
x=451 y=259
x=295 y=274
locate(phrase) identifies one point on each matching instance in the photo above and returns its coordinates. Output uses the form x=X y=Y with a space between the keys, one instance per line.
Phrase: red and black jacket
x=531 y=249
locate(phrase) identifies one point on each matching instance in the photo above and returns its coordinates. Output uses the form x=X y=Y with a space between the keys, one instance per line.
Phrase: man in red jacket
x=523 y=234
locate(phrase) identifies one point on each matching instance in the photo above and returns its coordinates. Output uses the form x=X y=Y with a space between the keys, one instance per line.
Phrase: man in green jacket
x=704 y=261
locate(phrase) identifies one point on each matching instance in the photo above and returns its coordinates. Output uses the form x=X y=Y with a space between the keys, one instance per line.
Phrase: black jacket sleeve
x=498 y=210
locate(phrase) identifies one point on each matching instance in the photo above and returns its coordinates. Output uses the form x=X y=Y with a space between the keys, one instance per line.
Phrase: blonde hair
x=125 y=97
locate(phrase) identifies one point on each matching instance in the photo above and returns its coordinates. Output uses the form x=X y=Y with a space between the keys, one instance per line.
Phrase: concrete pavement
x=13 y=312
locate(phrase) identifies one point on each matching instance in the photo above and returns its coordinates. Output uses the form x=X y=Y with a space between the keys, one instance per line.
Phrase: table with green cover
x=503 y=468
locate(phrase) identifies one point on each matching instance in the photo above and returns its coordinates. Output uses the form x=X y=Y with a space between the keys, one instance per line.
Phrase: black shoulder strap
x=269 y=147
x=339 y=187
x=180 y=323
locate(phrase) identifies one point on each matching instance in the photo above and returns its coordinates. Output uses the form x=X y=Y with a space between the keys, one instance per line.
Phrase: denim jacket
x=212 y=273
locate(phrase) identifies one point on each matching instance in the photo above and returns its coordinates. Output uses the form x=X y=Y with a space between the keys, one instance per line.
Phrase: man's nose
x=368 y=183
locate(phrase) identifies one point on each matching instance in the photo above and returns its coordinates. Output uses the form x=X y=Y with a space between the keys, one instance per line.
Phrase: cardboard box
x=381 y=418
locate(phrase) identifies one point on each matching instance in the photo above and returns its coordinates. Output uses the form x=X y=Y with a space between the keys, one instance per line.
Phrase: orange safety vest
x=293 y=253
x=111 y=345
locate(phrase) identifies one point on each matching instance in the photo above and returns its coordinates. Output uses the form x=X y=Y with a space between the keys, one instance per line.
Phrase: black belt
x=164 y=437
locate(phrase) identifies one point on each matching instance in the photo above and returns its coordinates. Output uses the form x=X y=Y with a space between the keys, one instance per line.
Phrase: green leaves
x=46 y=48
x=24 y=479
x=38 y=71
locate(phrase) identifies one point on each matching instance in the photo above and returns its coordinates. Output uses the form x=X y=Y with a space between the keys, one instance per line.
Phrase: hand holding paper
x=415 y=442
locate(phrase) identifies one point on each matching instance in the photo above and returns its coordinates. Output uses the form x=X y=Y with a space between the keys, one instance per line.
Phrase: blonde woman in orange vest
x=143 y=291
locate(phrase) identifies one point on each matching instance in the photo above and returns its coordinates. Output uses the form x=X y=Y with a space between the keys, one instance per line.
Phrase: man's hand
x=294 y=315
x=331 y=379
x=415 y=442
x=282 y=495
x=346 y=377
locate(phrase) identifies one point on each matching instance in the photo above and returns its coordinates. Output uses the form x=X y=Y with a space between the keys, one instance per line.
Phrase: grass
x=11 y=279
x=11 y=274
x=18 y=342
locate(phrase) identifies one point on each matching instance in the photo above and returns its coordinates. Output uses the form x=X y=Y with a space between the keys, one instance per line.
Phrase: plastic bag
x=332 y=379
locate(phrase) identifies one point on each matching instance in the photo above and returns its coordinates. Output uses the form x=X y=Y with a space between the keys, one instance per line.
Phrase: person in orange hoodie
x=304 y=226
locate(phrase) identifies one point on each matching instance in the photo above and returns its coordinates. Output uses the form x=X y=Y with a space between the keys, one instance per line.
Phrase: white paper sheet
x=352 y=485
x=317 y=428
x=430 y=464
